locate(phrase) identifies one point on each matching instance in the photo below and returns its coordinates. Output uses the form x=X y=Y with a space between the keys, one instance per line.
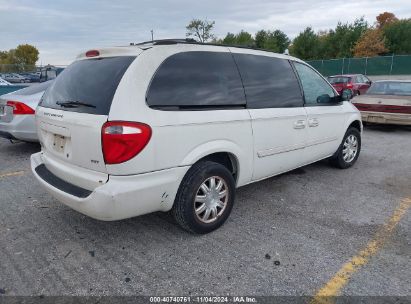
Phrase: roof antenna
x=152 y=35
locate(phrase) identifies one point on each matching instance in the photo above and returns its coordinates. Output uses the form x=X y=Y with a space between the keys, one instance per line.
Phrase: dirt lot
x=288 y=235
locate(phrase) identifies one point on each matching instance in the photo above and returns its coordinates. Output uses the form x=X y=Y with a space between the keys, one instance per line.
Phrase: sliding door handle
x=313 y=122
x=299 y=124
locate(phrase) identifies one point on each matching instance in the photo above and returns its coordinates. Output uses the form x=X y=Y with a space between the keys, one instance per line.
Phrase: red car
x=357 y=83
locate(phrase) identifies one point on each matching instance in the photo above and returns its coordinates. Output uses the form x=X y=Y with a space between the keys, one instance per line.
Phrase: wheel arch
x=223 y=152
x=357 y=124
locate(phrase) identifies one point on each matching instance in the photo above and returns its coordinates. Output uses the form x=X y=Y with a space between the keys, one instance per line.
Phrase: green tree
x=340 y=42
x=261 y=38
x=244 y=38
x=24 y=57
x=24 y=54
x=200 y=29
x=305 y=45
x=229 y=39
x=323 y=44
x=4 y=57
x=398 y=36
x=277 y=41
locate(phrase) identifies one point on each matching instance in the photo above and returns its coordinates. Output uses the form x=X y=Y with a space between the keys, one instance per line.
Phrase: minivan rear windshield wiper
x=73 y=104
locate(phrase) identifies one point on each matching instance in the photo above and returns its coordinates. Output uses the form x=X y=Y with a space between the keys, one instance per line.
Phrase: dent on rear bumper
x=122 y=196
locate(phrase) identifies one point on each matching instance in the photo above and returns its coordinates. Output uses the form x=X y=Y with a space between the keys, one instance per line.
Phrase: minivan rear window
x=87 y=86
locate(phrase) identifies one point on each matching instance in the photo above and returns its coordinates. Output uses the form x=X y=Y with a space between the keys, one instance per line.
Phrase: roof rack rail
x=167 y=41
x=193 y=41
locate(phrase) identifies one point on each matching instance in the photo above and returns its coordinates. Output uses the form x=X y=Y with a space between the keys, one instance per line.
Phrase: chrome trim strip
x=274 y=151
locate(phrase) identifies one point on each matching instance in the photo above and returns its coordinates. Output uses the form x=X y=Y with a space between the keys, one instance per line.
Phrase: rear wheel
x=349 y=150
x=205 y=197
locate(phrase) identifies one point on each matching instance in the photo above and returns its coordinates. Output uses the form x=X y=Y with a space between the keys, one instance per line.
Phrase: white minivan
x=177 y=125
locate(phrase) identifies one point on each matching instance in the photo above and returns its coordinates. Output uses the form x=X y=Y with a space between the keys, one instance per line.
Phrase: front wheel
x=205 y=198
x=349 y=150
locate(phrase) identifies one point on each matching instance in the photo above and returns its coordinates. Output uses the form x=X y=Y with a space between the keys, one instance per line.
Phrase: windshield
x=87 y=86
x=338 y=80
x=390 y=88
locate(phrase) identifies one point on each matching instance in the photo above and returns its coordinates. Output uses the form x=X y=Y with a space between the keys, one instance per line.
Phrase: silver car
x=17 y=109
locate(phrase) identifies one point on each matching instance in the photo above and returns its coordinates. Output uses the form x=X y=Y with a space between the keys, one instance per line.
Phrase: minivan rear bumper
x=120 y=197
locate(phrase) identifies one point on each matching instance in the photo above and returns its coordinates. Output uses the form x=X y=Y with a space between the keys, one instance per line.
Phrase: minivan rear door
x=72 y=112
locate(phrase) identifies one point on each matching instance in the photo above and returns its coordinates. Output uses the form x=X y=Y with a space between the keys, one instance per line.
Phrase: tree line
x=24 y=54
x=388 y=35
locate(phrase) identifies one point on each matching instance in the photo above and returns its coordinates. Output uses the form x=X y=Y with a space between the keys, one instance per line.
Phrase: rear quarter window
x=90 y=81
x=196 y=80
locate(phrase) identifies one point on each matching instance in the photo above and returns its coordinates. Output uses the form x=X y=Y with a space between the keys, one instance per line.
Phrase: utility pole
x=152 y=35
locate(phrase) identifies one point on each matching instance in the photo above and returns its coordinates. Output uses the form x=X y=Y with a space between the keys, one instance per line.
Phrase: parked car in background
x=357 y=83
x=4 y=82
x=386 y=102
x=15 y=78
x=199 y=122
x=17 y=109
x=32 y=77
x=7 y=87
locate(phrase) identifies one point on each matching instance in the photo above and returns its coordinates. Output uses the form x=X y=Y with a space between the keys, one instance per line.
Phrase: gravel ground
x=287 y=235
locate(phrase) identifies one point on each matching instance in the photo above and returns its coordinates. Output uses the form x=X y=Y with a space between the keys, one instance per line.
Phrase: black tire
x=184 y=204
x=337 y=159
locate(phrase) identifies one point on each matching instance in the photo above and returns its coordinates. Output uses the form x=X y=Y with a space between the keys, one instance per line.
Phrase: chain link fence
x=381 y=65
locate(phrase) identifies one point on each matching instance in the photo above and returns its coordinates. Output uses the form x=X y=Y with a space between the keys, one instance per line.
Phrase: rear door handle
x=299 y=124
x=313 y=122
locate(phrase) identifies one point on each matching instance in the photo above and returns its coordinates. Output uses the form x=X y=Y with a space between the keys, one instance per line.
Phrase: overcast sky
x=63 y=28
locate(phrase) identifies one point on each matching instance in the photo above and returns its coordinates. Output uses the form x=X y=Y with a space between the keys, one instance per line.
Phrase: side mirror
x=346 y=95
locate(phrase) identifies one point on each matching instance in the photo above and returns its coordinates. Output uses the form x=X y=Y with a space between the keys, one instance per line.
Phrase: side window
x=196 y=79
x=269 y=82
x=316 y=89
x=365 y=79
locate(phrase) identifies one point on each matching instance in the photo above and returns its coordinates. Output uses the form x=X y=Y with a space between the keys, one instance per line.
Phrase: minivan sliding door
x=275 y=103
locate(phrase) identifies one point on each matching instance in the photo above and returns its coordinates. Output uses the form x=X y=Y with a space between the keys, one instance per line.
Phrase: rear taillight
x=123 y=140
x=349 y=85
x=20 y=108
